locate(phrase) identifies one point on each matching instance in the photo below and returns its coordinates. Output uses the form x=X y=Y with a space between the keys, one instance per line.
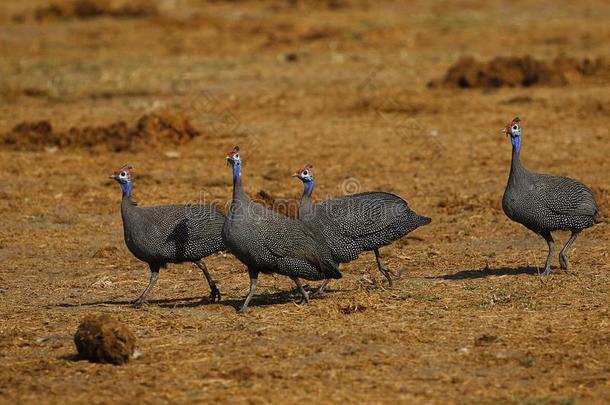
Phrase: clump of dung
x=103 y=339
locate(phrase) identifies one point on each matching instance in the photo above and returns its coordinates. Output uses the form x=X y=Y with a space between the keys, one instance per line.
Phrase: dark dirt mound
x=150 y=129
x=103 y=339
x=521 y=72
x=96 y=8
x=285 y=206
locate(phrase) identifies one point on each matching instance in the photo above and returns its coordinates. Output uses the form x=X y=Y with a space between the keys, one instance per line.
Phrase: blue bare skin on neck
x=236 y=171
x=308 y=184
x=126 y=187
x=516 y=141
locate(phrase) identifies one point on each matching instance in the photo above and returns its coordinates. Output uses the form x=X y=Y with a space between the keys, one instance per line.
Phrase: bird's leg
x=154 y=276
x=382 y=268
x=214 y=292
x=320 y=290
x=549 y=240
x=253 y=283
x=305 y=294
x=563 y=255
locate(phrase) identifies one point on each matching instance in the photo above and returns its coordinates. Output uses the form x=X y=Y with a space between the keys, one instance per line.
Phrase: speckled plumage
x=545 y=203
x=171 y=233
x=359 y=222
x=165 y=234
x=266 y=241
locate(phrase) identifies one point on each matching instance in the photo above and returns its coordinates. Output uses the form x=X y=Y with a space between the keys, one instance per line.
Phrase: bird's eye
x=123 y=174
x=236 y=156
x=515 y=127
x=305 y=173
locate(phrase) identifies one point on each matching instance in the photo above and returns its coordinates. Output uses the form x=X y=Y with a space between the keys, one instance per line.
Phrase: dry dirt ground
x=339 y=84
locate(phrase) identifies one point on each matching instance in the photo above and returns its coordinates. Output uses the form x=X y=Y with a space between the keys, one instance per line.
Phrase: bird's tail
x=330 y=268
x=421 y=220
x=597 y=218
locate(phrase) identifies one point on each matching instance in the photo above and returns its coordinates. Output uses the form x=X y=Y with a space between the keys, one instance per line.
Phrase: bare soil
x=342 y=85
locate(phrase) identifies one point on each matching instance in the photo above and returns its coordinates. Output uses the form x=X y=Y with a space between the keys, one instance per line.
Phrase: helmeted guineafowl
x=544 y=203
x=357 y=223
x=269 y=242
x=165 y=234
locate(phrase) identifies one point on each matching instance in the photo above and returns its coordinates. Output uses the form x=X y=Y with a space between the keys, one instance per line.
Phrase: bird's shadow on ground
x=488 y=272
x=280 y=297
x=72 y=357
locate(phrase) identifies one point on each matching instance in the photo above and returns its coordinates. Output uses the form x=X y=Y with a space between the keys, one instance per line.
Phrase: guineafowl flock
x=330 y=232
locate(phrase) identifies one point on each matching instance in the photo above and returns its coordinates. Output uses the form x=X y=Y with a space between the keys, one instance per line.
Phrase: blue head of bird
x=123 y=177
x=513 y=129
x=235 y=160
x=306 y=176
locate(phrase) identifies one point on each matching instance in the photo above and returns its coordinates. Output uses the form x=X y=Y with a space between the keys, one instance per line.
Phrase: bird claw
x=304 y=299
x=393 y=273
x=317 y=293
x=215 y=295
x=139 y=303
x=390 y=275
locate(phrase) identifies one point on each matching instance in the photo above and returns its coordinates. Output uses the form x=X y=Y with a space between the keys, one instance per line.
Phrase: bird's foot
x=546 y=271
x=389 y=275
x=214 y=295
x=139 y=303
x=318 y=293
x=242 y=310
x=390 y=282
x=389 y=279
x=563 y=263
x=304 y=299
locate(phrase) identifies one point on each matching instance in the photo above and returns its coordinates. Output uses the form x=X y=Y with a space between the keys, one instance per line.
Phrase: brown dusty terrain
x=339 y=84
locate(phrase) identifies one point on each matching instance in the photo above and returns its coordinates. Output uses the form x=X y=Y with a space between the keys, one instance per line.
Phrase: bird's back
x=270 y=242
x=544 y=202
x=362 y=222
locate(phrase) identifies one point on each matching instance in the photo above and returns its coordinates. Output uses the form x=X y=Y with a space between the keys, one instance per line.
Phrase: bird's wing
x=286 y=237
x=361 y=214
x=190 y=220
x=565 y=196
x=200 y=216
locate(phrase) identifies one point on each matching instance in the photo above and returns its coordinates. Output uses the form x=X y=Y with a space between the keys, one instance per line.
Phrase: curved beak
x=295 y=174
x=113 y=176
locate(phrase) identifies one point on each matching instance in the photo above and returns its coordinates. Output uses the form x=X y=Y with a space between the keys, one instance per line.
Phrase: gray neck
x=238 y=190
x=240 y=198
x=128 y=210
x=306 y=207
x=517 y=169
